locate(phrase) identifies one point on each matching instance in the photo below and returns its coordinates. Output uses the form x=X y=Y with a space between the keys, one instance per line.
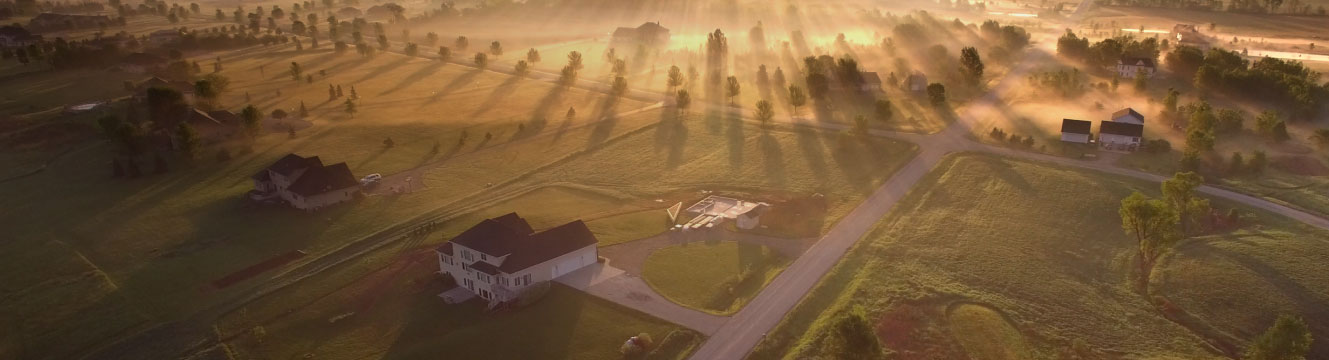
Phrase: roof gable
x=1076 y=126
x=510 y=235
x=1128 y=112
x=1120 y=128
x=322 y=179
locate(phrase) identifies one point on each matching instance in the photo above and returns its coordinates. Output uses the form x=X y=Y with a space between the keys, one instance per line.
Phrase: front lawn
x=717 y=278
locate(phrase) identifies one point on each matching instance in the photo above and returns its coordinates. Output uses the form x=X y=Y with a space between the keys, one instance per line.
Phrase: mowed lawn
x=714 y=277
x=1042 y=247
x=147 y=248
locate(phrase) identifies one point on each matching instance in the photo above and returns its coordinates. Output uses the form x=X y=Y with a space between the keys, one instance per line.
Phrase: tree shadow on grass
x=605 y=121
x=452 y=86
x=810 y=144
x=382 y=69
x=671 y=136
x=424 y=72
x=736 y=139
x=772 y=158
x=502 y=91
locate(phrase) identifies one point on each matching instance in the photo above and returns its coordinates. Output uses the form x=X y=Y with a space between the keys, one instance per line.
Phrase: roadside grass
x=985 y=334
x=728 y=156
x=981 y=234
x=621 y=228
x=717 y=278
x=1309 y=193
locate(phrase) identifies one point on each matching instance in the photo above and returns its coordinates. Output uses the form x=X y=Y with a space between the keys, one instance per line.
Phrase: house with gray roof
x=305 y=183
x=500 y=258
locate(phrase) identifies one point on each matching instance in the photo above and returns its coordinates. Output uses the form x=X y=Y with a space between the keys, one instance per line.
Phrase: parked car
x=371 y=179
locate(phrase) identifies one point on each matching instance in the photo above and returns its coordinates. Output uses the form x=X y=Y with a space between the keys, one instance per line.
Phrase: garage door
x=569 y=265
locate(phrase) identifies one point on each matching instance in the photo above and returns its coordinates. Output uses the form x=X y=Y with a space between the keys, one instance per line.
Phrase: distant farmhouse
x=141 y=90
x=649 y=34
x=871 y=82
x=500 y=258
x=305 y=183
x=916 y=82
x=1129 y=67
x=53 y=21
x=16 y=36
x=213 y=126
x=1076 y=131
x=1123 y=133
x=349 y=13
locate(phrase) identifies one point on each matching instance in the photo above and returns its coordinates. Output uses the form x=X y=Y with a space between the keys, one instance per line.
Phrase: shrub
x=852 y=336
x=997 y=134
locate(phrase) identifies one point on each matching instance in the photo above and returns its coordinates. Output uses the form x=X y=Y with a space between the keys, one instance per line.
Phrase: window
x=483 y=257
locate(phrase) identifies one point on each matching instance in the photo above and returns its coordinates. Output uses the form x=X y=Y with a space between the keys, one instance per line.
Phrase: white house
x=305 y=183
x=916 y=82
x=1119 y=136
x=1076 y=131
x=499 y=258
x=1129 y=67
x=1129 y=116
x=871 y=82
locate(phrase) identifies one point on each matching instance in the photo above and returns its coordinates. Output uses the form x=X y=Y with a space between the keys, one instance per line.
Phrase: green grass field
x=617 y=229
x=986 y=228
x=717 y=278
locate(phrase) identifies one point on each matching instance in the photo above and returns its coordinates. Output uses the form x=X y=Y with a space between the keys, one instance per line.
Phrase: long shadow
x=553 y=97
x=671 y=136
x=736 y=139
x=500 y=92
x=424 y=72
x=809 y=140
x=382 y=69
x=456 y=83
x=606 y=120
x=772 y=158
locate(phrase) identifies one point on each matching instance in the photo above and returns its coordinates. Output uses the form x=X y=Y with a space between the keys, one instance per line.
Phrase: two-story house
x=305 y=183
x=499 y=258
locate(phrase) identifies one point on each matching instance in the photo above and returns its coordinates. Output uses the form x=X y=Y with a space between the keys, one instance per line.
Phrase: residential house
x=499 y=258
x=184 y=87
x=142 y=63
x=1129 y=67
x=1076 y=131
x=16 y=36
x=871 y=82
x=1128 y=115
x=1181 y=32
x=305 y=183
x=53 y=21
x=1119 y=136
x=916 y=82
x=649 y=34
x=213 y=126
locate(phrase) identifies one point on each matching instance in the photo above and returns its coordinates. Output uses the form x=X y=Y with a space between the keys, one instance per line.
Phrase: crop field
x=947 y=273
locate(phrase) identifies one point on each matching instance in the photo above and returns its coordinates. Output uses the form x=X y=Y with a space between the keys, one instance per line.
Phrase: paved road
x=741 y=333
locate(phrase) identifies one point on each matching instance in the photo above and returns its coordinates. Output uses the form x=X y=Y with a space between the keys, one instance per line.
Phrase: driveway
x=629 y=290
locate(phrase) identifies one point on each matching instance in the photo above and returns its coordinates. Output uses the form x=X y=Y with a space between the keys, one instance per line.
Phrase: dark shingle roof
x=1120 y=128
x=485 y=267
x=510 y=235
x=549 y=244
x=445 y=249
x=1127 y=111
x=495 y=237
x=1076 y=126
x=321 y=179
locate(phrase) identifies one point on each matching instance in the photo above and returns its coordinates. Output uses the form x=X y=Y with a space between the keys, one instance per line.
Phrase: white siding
x=1075 y=138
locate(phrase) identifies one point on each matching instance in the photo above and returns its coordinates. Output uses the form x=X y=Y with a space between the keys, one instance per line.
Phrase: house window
x=526 y=279
x=483 y=257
